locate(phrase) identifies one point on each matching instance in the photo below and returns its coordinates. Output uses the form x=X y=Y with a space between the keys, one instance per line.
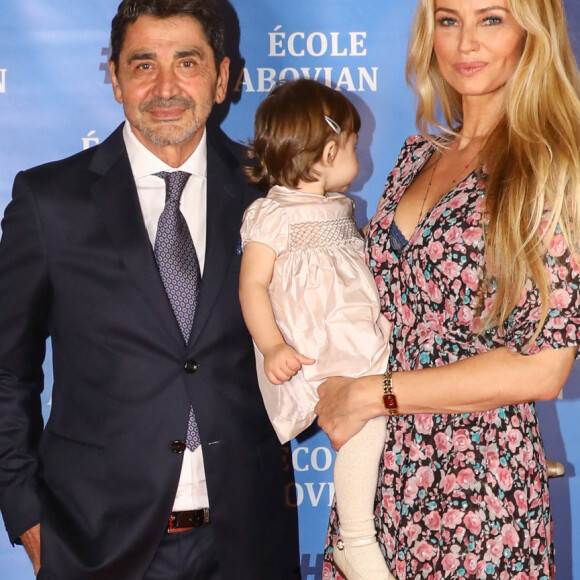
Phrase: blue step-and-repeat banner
x=56 y=98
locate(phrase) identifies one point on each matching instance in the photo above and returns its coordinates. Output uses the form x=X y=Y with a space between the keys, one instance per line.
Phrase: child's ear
x=329 y=153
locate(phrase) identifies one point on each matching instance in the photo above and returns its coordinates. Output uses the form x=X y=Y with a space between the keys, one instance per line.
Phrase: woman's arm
x=281 y=361
x=479 y=383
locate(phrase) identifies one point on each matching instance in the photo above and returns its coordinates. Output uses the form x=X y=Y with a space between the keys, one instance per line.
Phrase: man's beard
x=167 y=133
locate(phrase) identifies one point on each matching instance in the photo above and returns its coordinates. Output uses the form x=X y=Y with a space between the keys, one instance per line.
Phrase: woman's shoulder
x=414 y=150
x=416 y=145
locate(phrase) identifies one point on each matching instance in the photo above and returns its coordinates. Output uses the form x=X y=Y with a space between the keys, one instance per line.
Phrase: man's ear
x=329 y=153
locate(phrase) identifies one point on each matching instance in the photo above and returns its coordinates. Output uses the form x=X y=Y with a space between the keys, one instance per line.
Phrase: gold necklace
x=429 y=185
x=453 y=181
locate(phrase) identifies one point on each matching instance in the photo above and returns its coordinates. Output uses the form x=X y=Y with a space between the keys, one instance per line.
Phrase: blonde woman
x=474 y=248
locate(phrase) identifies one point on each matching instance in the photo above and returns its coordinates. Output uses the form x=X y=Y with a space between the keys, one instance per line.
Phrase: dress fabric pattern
x=323 y=296
x=460 y=495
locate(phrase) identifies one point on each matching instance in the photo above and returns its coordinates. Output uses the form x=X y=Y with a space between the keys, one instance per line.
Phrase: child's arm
x=281 y=361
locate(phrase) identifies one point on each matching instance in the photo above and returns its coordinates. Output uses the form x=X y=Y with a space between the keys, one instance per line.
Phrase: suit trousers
x=189 y=555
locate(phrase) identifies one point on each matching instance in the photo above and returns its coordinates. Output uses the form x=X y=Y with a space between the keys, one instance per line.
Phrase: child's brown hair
x=292 y=126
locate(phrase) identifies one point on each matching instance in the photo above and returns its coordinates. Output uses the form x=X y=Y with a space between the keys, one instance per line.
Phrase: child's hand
x=282 y=362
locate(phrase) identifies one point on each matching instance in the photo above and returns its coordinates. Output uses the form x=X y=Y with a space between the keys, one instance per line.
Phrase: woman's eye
x=446 y=21
x=492 y=20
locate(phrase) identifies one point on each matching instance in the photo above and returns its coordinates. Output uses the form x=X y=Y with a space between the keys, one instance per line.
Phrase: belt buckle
x=197 y=519
x=201 y=517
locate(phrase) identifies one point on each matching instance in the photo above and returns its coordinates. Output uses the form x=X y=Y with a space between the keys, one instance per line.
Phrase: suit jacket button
x=178 y=446
x=191 y=366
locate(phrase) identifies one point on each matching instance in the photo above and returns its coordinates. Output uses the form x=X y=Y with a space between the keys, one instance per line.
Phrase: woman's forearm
x=485 y=381
x=479 y=383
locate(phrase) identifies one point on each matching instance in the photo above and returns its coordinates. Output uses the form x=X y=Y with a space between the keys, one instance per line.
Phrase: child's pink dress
x=323 y=295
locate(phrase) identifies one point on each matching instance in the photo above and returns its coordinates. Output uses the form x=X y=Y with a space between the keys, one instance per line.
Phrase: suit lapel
x=115 y=195
x=225 y=204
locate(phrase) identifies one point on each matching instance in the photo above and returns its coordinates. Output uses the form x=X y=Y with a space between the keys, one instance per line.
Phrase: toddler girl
x=306 y=291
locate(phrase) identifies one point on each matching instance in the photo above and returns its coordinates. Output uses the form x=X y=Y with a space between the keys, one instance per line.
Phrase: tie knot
x=174 y=183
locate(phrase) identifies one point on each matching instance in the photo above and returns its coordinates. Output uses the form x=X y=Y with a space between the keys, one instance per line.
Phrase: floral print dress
x=460 y=495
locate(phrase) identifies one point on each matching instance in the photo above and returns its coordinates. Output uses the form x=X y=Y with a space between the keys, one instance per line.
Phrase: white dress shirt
x=192 y=488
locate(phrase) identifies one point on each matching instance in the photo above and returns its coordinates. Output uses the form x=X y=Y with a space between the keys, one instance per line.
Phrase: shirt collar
x=144 y=162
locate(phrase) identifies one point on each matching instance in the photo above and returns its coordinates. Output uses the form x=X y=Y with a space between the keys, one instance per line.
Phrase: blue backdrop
x=56 y=98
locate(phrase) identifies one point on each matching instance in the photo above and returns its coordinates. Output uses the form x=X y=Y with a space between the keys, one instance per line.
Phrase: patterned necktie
x=179 y=268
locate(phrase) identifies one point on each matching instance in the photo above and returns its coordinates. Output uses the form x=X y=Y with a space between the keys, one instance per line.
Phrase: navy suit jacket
x=76 y=265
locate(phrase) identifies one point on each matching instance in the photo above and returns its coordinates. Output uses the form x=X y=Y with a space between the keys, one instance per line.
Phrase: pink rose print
x=390 y=460
x=461 y=440
x=521 y=501
x=472 y=522
x=459 y=199
x=408 y=316
x=419 y=277
x=453 y=235
x=450 y=269
x=494 y=550
x=424 y=423
x=558 y=246
x=425 y=477
x=465 y=315
x=450 y=562
x=481 y=567
x=492 y=458
x=504 y=478
x=433 y=520
x=435 y=251
x=509 y=536
x=495 y=506
x=411 y=490
x=436 y=213
x=415 y=451
x=470 y=564
x=514 y=437
x=442 y=443
x=378 y=255
x=472 y=235
x=560 y=299
x=434 y=291
x=466 y=478
x=423 y=551
x=470 y=278
x=452 y=518
x=412 y=532
x=448 y=483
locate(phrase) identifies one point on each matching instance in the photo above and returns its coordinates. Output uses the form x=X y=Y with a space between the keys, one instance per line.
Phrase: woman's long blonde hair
x=533 y=154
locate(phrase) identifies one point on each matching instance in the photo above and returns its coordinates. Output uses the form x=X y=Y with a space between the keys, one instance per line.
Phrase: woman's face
x=478 y=45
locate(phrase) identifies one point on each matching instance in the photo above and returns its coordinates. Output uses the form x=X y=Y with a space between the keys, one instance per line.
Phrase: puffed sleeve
x=265 y=221
x=562 y=326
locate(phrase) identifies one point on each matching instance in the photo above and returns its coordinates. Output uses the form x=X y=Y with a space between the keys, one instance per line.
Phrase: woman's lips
x=469 y=68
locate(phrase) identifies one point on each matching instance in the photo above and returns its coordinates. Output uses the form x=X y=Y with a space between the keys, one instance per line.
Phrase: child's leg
x=355 y=483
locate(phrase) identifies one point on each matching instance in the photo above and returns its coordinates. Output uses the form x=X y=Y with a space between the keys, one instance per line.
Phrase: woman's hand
x=346 y=405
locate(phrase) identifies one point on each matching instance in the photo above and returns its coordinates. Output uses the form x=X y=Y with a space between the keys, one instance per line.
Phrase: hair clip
x=333 y=125
x=277 y=85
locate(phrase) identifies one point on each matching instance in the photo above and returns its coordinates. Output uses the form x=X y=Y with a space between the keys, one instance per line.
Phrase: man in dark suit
x=158 y=461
